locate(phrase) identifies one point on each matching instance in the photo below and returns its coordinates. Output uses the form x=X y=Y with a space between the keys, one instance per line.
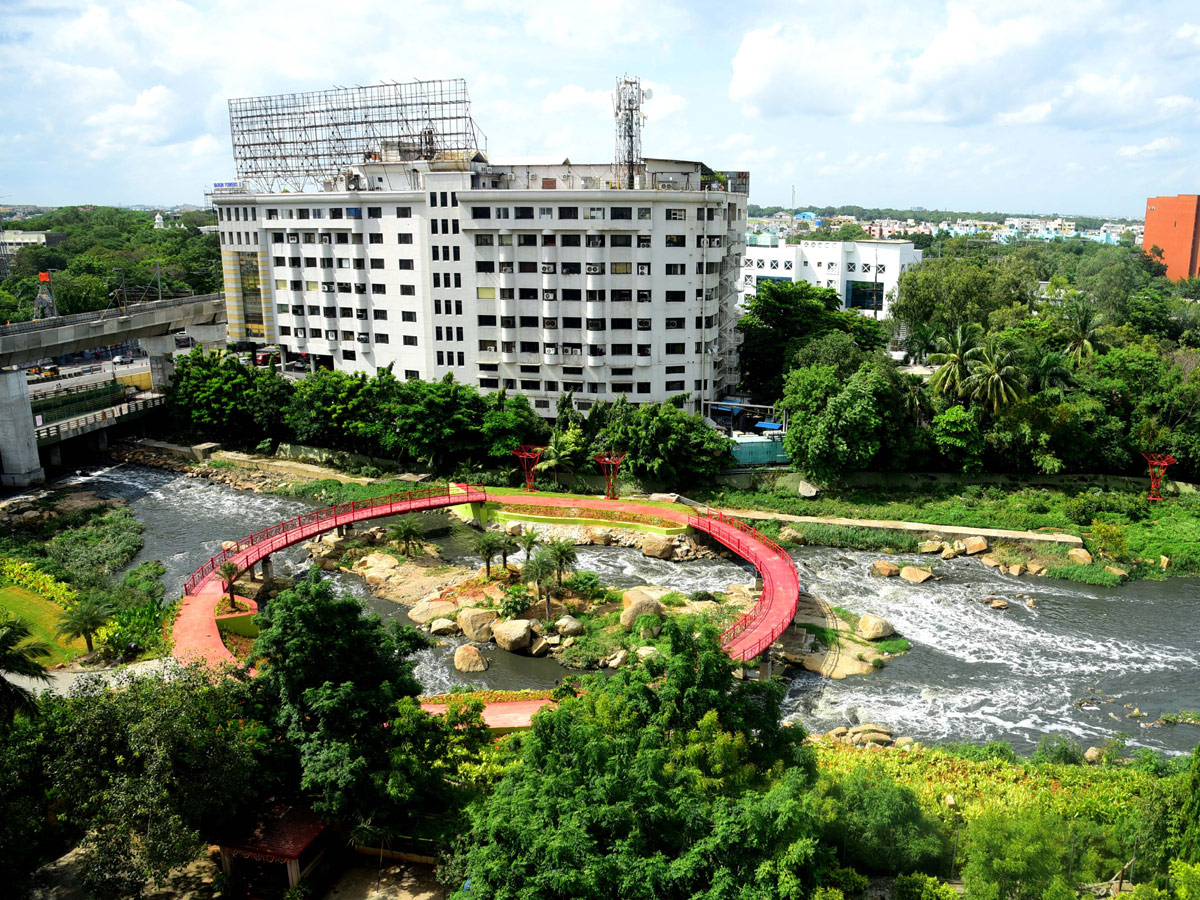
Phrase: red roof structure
x=280 y=835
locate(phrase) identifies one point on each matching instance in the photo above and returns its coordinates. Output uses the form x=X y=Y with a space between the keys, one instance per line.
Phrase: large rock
x=539 y=647
x=658 y=546
x=915 y=574
x=663 y=498
x=1164 y=562
x=428 y=610
x=791 y=536
x=1015 y=570
x=643 y=606
x=476 y=623
x=513 y=528
x=617 y=659
x=443 y=627
x=1080 y=556
x=988 y=560
x=973 y=545
x=806 y=490
x=1093 y=755
x=950 y=553
x=647 y=652
x=1036 y=569
x=514 y=635
x=601 y=536
x=467 y=658
x=569 y=626
x=881 y=568
x=1120 y=573
x=929 y=547
x=872 y=628
x=377 y=561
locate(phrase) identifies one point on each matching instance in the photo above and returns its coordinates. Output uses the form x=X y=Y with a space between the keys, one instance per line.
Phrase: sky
x=1080 y=107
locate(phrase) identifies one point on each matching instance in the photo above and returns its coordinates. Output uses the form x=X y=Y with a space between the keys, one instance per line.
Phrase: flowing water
x=973 y=674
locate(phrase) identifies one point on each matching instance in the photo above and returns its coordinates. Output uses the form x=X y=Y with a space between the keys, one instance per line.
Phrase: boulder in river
x=950 y=553
x=990 y=561
x=1036 y=568
x=915 y=574
x=539 y=647
x=658 y=546
x=1093 y=755
x=881 y=568
x=443 y=627
x=1079 y=556
x=975 y=544
x=791 y=536
x=467 y=658
x=1114 y=570
x=872 y=628
x=428 y=610
x=999 y=604
x=514 y=635
x=929 y=547
x=476 y=623
x=643 y=606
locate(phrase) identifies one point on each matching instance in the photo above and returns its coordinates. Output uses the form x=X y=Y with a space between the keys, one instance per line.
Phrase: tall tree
x=1081 y=329
x=539 y=569
x=995 y=377
x=562 y=551
x=953 y=360
x=487 y=545
x=84 y=618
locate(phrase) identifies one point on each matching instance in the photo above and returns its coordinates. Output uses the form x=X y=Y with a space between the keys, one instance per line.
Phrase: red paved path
x=501 y=716
x=196 y=636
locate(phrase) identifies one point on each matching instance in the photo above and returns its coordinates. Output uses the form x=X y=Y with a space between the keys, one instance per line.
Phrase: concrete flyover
x=153 y=323
x=196 y=635
x=25 y=342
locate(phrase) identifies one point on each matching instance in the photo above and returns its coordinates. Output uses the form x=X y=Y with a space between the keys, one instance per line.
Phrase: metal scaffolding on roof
x=298 y=141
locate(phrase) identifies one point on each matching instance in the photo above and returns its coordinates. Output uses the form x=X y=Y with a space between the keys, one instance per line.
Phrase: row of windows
x=340 y=287
x=572 y=348
x=449 y=333
x=236 y=237
x=237 y=214
x=644 y=241
x=591 y=387
x=787 y=265
x=598 y=295
x=532 y=267
x=343 y=312
x=335 y=237
x=595 y=213
x=550 y=323
x=331 y=334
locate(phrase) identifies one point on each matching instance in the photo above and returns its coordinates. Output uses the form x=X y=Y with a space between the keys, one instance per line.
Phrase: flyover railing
x=103 y=315
x=49 y=434
x=284 y=534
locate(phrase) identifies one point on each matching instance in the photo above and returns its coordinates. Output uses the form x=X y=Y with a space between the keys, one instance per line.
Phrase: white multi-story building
x=534 y=278
x=864 y=273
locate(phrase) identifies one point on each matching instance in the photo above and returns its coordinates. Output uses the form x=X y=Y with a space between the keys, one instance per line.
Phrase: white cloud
x=573 y=98
x=1156 y=147
x=145 y=121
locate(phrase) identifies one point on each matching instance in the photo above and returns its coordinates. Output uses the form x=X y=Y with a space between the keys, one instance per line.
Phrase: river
x=974 y=673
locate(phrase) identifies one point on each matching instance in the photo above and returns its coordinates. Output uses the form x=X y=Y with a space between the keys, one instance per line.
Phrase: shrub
x=1109 y=539
x=369 y=471
x=612 y=595
x=585 y=584
x=846 y=880
x=517 y=599
x=922 y=887
x=700 y=597
x=674 y=599
x=1058 y=749
x=264 y=447
x=1000 y=751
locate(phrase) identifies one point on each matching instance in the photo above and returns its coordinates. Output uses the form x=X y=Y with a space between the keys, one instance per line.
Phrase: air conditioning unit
x=364 y=338
x=547 y=268
x=594 y=269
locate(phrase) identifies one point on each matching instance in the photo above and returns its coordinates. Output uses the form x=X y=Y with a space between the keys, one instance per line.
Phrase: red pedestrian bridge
x=197 y=637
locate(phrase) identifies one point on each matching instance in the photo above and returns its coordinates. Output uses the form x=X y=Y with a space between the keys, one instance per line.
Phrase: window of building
x=485 y=293
x=676 y=296
x=621 y=240
x=676 y=240
x=674 y=349
x=485 y=265
x=676 y=370
x=377 y=264
x=596 y=296
x=676 y=215
x=410 y=340
x=483 y=240
x=621 y=324
x=508 y=321
x=527 y=240
x=674 y=323
x=675 y=269
x=528 y=321
x=572 y=268
x=595 y=240
x=572 y=322
x=523 y=212
x=530 y=347
x=374 y=212
x=572 y=240
x=487 y=346
x=594 y=212
x=622 y=349
x=622 y=268
x=481 y=212
x=527 y=267
x=595 y=324
x=408 y=290
x=568 y=212
x=674 y=385
x=501 y=212
x=285 y=330
x=408 y=315
x=572 y=295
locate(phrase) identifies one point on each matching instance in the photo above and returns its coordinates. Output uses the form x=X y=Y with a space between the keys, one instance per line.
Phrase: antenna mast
x=627 y=110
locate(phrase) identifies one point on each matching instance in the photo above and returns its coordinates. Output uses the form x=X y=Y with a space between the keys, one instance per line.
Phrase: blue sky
x=1072 y=106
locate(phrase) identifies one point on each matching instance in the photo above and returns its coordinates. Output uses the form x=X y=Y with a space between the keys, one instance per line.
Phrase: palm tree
x=1082 y=330
x=920 y=341
x=508 y=544
x=84 y=619
x=229 y=572
x=995 y=377
x=528 y=540
x=951 y=360
x=563 y=554
x=539 y=570
x=19 y=656
x=916 y=399
x=487 y=545
x=562 y=454
x=406 y=532
x=1046 y=369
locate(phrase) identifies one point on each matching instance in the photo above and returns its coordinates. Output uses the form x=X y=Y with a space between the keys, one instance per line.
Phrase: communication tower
x=627 y=109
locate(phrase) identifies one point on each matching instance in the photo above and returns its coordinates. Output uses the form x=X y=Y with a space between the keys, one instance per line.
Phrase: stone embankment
x=45 y=506
x=673 y=548
x=869 y=736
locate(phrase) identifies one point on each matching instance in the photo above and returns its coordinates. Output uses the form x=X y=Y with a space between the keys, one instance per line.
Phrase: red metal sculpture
x=529 y=455
x=1158 y=467
x=610 y=463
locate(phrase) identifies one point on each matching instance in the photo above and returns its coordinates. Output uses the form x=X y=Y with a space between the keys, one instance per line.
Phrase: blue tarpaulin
x=770 y=425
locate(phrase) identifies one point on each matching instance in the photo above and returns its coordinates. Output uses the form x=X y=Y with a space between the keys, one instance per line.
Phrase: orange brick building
x=1173 y=224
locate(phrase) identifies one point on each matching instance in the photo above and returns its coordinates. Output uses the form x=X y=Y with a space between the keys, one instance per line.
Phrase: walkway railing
x=284 y=534
x=755 y=631
x=57 y=430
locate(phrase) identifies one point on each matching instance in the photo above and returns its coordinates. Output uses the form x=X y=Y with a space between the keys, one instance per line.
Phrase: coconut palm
x=539 y=570
x=951 y=360
x=508 y=545
x=564 y=453
x=406 y=532
x=529 y=540
x=1047 y=369
x=920 y=341
x=487 y=545
x=19 y=655
x=564 y=554
x=916 y=399
x=84 y=618
x=1082 y=330
x=229 y=572
x=995 y=376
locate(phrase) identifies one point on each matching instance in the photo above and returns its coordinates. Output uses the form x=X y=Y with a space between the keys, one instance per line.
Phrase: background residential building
x=1173 y=225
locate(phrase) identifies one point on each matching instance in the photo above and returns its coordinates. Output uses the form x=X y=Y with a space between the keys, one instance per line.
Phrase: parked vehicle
x=122 y=360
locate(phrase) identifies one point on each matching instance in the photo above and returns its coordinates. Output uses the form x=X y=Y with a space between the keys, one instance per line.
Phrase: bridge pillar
x=268 y=571
x=758 y=581
x=764 y=667
x=162 y=360
x=19 y=463
x=54 y=451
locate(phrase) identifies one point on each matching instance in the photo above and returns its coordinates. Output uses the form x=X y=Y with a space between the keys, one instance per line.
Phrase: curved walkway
x=196 y=635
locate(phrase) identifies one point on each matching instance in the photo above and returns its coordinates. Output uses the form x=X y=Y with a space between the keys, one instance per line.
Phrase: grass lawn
x=42 y=616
